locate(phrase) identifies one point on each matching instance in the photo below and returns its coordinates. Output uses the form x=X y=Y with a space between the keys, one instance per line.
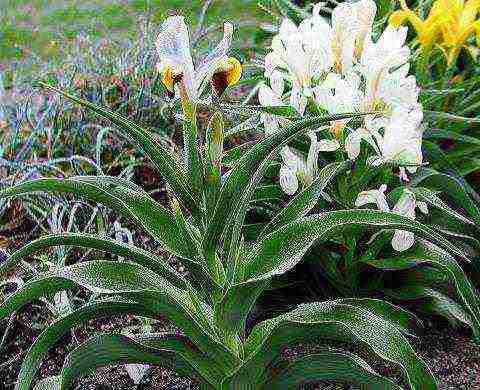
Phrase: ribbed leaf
x=39 y=350
x=165 y=161
x=405 y=321
x=238 y=188
x=425 y=252
x=281 y=250
x=337 y=365
x=130 y=201
x=306 y=199
x=192 y=158
x=134 y=282
x=434 y=302
x=452 y=187
x=335 y=321
x=83 y=240
x=213 y=158
x=430 y=197
x=111 y=349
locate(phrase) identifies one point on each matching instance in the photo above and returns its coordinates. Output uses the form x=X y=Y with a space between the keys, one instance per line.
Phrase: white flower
x=176 y=64
x=303 y=52
x=272 y=97
x=339 y=95
x=384 y=67
x=295 y=169
x=405 y=206
x=373 y=196
x=401 y=143
x=351 y=28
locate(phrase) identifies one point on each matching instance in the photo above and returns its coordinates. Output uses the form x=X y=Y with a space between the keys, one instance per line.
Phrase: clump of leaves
x=228 y=269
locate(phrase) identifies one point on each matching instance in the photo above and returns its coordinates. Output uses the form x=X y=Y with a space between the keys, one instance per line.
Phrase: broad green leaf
x=430 y=197
x=54 y=332
x=328 y=364
x=130 y=201
x=425 y=252
x=191 y=155
x=251 y=110
x=165 y=161
x=231 y=156
x=239 y=186
x=405 y=321
x=307 y=198
x=134 y=282
x=113 y=349
x=213 y=158
x=446 y=134
x=452 y=187
x=436 y=154
x=432 y=302
x=281 y=250
x=336 y=321
x=83 y=240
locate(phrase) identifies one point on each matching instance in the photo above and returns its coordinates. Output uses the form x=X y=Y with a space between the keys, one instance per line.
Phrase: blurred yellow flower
x=449 y=25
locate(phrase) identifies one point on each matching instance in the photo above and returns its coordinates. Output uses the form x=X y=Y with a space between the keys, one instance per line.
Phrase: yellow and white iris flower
x=176 y=66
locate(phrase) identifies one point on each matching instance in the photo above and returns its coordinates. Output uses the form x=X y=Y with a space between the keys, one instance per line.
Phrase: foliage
x=241 y=219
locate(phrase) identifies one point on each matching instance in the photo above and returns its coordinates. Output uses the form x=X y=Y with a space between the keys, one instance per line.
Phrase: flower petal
x=288 y=180
x=328 y=145
x=402 y=240
x=217 y=56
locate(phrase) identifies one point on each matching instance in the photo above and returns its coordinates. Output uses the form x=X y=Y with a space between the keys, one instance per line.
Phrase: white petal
x=173 y=48
x=210 y=63
x=328 y=145
x=276 y=82
x=270 y=123
x=288 y=180
x=297 y=100
x=267 y=97
x=366 y=197
x=293 y=160
x=406 y=204
x=402 y=240
x=422 y=206
x=136 y=372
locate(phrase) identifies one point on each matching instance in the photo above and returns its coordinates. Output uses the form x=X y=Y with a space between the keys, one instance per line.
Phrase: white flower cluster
x=338 y=68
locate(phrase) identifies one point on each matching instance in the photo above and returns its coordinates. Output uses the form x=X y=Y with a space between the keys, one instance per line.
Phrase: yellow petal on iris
x=168 y=79
x=226 y=75
x=235 y=71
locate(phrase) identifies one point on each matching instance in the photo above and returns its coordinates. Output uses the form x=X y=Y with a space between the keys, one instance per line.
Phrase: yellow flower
x=449 y=25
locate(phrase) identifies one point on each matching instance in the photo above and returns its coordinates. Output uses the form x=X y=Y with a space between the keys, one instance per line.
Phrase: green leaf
x=134 y=282
x=446 y=134
x=425 y=252
x=112 y=349
x=307 y=198
x=83 y=240
x=238 y=188
x=336 y=321
x=430 y=197
x=434 y=302
x=165 y=161
x=405 y=321
x=129 y=200
x=192 y=158
x=54 y=332
x=328 y=364
x=281 y=250
x=213 y=158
